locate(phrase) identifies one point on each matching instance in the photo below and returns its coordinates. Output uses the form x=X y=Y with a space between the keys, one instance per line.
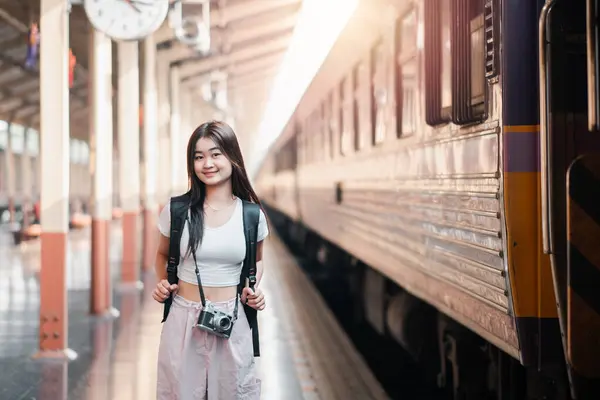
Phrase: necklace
x=219 y=209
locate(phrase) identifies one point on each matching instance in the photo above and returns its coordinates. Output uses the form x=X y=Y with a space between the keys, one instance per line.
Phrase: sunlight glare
x=319 y=24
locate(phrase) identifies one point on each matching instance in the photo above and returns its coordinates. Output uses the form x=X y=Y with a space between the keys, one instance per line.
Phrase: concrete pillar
x=129 y=159
x=150 y=152
x=54 y=155
x=185 y=131
x=164 y=140
x=101 y=157
x=177 y=154
x=10 y=177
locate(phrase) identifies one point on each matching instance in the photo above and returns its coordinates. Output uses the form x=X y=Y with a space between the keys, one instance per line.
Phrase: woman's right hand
x=162 y=290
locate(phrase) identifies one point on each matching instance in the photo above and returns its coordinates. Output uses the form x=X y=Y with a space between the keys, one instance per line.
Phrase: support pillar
x=178 y=149
x=164 y=120
x=26 y=200
x=101 y=143
x=186 y=112
x=10 y=169
x=54 y=155
x=129 y=160
x=150 y=153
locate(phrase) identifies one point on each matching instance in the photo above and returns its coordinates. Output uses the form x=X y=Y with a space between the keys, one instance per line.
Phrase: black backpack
x=251 y=214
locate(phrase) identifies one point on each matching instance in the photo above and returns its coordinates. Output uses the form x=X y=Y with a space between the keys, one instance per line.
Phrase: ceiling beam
x=230 y=37
x=265 y=74
x=226 y=39
x=221 y=17
x=240 y=68
x=260 y=76
x=195 y=67
x=273 y=60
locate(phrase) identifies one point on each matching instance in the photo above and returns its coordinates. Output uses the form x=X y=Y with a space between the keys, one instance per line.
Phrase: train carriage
x=446 y=146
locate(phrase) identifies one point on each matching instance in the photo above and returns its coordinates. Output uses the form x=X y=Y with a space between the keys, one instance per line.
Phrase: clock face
x=126 y=19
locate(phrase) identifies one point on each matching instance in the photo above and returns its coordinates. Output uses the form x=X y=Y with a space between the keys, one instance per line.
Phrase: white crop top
x=220 y=255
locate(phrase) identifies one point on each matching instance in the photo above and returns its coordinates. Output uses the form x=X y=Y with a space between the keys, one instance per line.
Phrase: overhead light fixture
x=191 y=31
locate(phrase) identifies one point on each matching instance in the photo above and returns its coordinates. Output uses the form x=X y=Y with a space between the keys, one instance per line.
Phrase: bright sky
x=319 y=24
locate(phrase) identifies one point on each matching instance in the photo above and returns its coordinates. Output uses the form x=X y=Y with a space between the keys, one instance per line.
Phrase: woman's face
x=210 y=164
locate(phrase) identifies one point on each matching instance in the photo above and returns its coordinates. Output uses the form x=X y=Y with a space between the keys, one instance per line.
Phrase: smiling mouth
x=210 y=173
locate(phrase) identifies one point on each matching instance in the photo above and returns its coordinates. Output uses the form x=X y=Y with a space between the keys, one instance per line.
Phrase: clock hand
x=131 y=3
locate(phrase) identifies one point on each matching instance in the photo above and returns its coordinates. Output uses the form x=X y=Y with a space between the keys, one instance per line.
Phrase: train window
x=346 y=100
x=342 y=126
x=433 y=60
x=324 y=131
x=446 y=55
x=320 y=132
x=356 y=107
x=331 y=124
x=455 y=61
x=468 y=49
x=293 y=148
x=377 y=93
x=477 y=61
x=316 y=134
x=285 y=156
x=310 y=137
x=300 y=134
x=406 y=73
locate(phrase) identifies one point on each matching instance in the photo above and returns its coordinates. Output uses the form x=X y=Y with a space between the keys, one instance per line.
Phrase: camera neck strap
x=202 y=297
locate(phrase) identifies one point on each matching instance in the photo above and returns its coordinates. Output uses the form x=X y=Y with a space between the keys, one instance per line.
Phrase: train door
x=570 y=180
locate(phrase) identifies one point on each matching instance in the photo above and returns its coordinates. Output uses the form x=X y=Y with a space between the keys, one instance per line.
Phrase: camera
x=215 y=321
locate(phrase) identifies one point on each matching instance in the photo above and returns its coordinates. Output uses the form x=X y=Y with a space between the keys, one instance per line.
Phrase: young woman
x=194 y=363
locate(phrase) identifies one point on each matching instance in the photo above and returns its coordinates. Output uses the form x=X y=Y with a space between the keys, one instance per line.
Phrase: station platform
x=305 y=354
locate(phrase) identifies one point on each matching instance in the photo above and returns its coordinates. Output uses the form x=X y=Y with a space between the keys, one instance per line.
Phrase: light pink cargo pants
x=195 y=364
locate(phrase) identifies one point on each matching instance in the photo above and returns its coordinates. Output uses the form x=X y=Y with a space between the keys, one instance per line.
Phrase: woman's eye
x=216 y=154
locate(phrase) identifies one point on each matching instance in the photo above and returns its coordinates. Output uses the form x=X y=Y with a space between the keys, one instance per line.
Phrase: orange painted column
x=129 y=160
x=101 y=143
x=54 y=155
x=150 y=153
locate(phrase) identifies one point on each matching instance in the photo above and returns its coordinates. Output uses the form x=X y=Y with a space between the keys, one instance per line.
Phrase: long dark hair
x=226 y=140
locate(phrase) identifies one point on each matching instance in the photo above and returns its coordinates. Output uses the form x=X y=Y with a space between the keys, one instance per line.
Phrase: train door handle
x=592 y=64
x=545 y=133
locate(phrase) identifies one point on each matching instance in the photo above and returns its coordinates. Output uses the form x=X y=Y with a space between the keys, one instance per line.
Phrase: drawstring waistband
x=183 y=302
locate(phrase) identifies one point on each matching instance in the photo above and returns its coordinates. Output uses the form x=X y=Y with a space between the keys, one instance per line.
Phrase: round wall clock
x=126 y=19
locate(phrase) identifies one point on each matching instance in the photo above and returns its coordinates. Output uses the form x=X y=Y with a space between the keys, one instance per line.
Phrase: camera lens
x=223 y=323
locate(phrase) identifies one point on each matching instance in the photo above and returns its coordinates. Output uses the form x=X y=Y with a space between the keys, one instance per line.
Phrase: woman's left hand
x=254 y=299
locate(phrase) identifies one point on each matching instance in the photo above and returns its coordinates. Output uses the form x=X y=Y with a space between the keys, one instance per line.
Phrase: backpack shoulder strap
x=251 y=215
x=179 y=206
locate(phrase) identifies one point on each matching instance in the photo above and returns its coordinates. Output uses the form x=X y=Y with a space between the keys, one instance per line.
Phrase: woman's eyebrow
x=211 y=149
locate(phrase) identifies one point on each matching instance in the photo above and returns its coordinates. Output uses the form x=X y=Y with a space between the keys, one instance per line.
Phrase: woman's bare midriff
x=190 y=292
